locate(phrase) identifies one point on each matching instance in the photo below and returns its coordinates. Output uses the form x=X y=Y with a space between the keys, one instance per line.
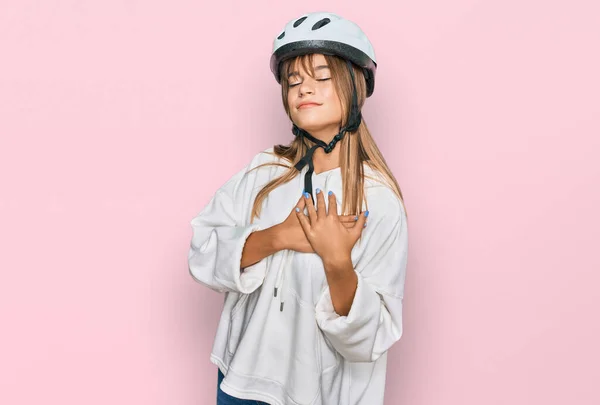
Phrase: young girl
x=313 y=296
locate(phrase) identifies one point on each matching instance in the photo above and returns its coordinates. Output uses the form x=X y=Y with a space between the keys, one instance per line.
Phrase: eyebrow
x=295 y=73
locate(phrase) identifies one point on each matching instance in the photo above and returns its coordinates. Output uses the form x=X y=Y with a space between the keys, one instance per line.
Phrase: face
x=313 y=102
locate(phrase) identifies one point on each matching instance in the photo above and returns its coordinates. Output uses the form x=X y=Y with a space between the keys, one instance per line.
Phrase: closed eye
x=319 y=80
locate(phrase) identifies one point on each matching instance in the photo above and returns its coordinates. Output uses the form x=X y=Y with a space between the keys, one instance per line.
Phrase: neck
x=326 y=161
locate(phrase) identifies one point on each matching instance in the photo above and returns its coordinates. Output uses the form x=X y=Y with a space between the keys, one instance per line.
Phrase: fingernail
x=297 y=209
x=356 y=218
x=318 y=190
x=366 y=213
x=330 y=192
x=306 y=194
x=365 y=225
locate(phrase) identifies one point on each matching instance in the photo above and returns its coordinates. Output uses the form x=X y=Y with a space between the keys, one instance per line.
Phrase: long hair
x=355 y=148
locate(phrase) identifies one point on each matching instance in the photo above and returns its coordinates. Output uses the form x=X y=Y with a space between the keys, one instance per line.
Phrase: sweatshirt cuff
x=352 y=335
x=229 y=257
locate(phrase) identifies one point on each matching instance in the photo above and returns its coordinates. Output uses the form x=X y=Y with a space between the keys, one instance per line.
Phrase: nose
x=306 y=87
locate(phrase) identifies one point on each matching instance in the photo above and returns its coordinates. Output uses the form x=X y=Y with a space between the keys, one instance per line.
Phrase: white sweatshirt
x=302 y=352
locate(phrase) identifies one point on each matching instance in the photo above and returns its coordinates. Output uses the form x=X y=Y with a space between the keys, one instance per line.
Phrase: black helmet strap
x=354 y=121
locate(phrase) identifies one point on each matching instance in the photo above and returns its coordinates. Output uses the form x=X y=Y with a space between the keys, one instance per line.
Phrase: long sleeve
x=219 y=236
x=374 y=322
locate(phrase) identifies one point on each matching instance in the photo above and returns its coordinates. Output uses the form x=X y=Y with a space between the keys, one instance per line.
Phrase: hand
x=292 y=236
x=328 y=235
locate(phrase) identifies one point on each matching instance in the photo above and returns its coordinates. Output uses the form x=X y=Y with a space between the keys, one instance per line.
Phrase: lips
x=308 y=105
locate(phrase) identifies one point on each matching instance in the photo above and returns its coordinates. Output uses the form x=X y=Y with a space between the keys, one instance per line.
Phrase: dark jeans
x=226 y=399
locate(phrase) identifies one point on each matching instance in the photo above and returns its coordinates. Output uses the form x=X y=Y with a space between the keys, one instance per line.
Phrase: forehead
x=317 y=60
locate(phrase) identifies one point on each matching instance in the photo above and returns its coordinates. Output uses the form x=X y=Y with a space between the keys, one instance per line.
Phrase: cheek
x=334 y=107
x=332 y=100
x=291 y=101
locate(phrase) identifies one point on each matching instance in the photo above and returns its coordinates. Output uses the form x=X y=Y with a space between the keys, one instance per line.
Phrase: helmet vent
x=299 y=21
x=282 y=35
x=321 y=23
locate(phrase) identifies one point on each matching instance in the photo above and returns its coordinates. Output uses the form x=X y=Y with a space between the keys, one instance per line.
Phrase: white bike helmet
x=325 y=33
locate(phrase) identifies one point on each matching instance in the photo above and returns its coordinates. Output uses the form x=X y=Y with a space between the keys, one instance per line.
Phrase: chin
x=313 y=125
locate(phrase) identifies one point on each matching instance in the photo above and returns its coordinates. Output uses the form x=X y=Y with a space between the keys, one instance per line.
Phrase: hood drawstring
x=354 y=121
x=280 y=279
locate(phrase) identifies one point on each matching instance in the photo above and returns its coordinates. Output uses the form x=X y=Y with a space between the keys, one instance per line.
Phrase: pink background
x=114 y=121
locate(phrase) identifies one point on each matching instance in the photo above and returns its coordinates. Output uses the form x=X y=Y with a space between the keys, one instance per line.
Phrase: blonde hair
x=355 y=148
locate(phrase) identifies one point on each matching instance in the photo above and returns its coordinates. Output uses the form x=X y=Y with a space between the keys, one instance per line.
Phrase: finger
x=348 y=225
x=301 y=204
x=351 y=219
x=303 y=219
x=310 y=207
x=361 y=223
x=321 y=211
x=332 y=211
